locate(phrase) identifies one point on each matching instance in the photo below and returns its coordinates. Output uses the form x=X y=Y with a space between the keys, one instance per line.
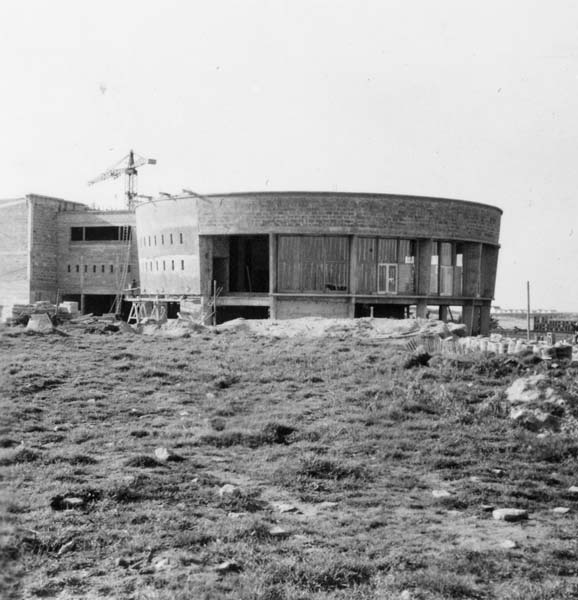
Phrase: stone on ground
x=510 y=514
x=40 y=323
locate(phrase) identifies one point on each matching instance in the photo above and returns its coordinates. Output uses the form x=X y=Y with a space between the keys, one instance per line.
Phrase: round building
x=294 y=254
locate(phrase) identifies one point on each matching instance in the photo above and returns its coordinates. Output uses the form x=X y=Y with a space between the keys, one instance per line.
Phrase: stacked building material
x=19 y=310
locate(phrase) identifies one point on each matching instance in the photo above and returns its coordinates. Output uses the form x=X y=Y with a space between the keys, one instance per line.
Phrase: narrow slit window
x=182 y=265
x=102 y=268
x=94 y=268
x=164 y=266
x=77 y=268
x=128 y=269
x=69 y=269
x=171 y=238
x=172 y=265
x=112 y=268
x=162 y=239
x=181 y=237
x=86 y=268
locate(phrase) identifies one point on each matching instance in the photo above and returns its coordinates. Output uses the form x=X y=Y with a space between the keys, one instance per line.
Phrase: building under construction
x=279 y=255
x=54 y=250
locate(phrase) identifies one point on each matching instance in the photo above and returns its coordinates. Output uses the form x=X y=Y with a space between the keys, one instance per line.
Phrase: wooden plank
x=387 y=250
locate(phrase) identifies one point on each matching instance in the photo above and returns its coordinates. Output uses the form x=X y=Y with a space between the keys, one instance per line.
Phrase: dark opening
x=249 y=264
x=221 y=272
x=76 y=234
x=104 y=234
x=98 y=304
x=173 y=310
x=71 y=298
x=382 y=311
x=228 y=313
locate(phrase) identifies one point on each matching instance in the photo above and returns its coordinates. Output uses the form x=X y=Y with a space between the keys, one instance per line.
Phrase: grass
x=343 y=431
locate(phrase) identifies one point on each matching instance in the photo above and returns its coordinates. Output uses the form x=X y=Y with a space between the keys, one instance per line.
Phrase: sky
x=453 y=98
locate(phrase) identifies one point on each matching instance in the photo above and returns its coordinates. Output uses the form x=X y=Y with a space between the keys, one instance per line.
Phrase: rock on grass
x=510 y=514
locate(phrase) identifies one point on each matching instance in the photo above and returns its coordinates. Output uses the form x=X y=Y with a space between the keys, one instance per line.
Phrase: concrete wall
x=84 y=267
x=294 y=308
x=168 y=246
x=14 y=281
x=366 y=214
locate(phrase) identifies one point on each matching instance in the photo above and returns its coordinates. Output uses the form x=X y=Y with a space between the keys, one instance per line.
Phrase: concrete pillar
x=485 y=319
x=424 y=254
x=352 y=275
x=443 y=313
x=272 y=275
x=421 y=309
x=468 y=318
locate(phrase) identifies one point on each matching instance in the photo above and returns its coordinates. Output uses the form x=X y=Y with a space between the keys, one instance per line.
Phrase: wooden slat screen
x=288 y=271
x=366 y=265
x=313 y=264
x=387 y=250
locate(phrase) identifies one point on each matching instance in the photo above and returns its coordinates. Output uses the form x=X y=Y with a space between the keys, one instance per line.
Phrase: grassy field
x=297 y=469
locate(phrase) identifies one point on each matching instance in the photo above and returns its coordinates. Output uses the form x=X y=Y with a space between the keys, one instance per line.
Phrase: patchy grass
x=334 y=449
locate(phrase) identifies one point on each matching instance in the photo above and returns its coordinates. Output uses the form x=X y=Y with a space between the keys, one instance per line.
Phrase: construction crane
x=126 y=166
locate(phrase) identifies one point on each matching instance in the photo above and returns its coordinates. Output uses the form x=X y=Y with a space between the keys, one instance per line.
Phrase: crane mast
x=127 y=166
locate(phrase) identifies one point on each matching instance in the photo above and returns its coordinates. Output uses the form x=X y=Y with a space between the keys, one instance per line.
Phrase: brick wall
x=45 y=248
x=385 y=215
x=95 y=267
x=14 y=282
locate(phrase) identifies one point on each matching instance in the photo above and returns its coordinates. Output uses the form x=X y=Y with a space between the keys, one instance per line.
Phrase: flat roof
x=368 y=195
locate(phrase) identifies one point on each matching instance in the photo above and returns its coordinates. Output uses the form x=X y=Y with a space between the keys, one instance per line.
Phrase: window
x=128 y=269
x=69 y=268
x=112 y=268
x=155 y=239
x=76 y=234
x=102 y=269
x=157 y=264
x=164 y=266
x=94 y=268
x=106 y=234
x=182 y=265
x=387 y=278
x=171 y=238
x=446 y=269
x=172 y=265
x=385 y=265
x=86 y=268
x=181 y=237
x=77 y=268
x=162 y=239
x=149 y=241
x=434 y=270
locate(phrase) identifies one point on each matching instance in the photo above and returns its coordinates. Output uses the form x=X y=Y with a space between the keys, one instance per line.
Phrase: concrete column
x=468 y=318
x=272 y=275
x=352 y=275
x=424 y=253
x=485 y=319
x=443 y=313
x=421 y=309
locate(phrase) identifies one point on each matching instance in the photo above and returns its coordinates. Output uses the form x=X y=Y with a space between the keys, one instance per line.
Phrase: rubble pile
x=498 y=344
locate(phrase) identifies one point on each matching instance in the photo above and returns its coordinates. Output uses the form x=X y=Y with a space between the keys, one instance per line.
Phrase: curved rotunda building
x=293 y=254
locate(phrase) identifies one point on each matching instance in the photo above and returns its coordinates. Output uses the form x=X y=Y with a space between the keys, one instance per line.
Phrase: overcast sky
x=456 y=98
